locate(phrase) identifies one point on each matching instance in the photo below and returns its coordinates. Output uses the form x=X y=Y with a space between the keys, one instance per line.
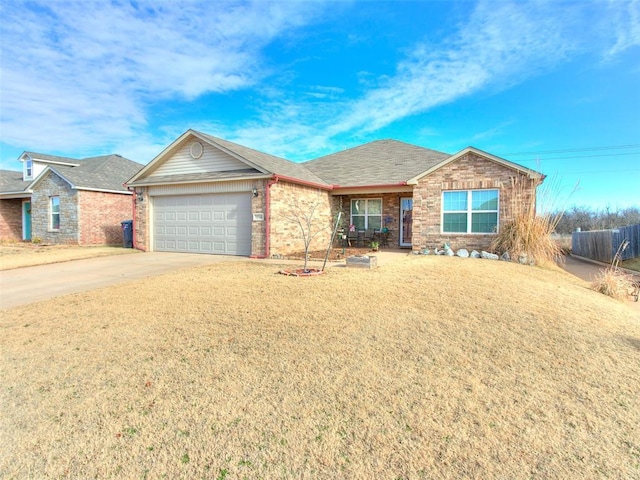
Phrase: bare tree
x=303 y=212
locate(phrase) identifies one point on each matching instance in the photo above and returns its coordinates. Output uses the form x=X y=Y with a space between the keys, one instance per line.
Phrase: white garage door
x=213 y=223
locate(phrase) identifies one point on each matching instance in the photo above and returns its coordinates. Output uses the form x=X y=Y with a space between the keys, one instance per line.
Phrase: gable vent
x=196 y=150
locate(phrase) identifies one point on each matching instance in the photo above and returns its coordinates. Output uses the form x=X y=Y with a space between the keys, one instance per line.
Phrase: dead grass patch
x=18 y=255
x=425 y=368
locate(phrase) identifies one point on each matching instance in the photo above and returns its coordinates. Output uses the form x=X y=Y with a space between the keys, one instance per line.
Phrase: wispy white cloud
x=492 y=132
x=80 y=74
x=499 y=44
x=625 y=24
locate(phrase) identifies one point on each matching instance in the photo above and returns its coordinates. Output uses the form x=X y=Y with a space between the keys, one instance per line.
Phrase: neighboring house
x=203 y=194
x=61 y=200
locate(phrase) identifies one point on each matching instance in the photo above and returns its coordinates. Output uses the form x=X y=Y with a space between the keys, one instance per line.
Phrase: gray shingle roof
x=107 y=172
x=382 y=162
x=11 y=182
x=268 y=163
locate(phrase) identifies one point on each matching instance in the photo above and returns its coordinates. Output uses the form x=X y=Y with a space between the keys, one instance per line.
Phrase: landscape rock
x=449 y=253
x=463 y=253
x=506 y=257
x=489 y=256
x=524 y=259
x=475 y=254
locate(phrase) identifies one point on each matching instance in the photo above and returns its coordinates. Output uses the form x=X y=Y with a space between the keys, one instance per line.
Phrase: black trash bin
x=127 y=233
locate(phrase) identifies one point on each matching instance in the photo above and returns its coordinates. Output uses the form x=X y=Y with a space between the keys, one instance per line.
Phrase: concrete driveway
x=31 y=284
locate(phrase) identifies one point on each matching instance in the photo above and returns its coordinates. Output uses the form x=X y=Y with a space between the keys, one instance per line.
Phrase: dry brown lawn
x=431 y=367
x=18 y=255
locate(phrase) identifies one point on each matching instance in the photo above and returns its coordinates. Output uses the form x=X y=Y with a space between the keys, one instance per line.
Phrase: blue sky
x=550 y=85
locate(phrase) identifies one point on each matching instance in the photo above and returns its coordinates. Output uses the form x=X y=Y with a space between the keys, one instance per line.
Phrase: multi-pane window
x=54 y=210
x=366 y=213
x=470 y=211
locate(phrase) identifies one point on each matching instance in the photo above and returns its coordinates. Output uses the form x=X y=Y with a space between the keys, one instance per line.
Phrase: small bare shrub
x=613 y=282
x=304 y=214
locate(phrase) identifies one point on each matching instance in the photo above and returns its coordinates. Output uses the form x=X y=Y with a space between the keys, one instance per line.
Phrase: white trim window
x=28 y=169
x=54 y=213
x=470 y=211
x=366 y=213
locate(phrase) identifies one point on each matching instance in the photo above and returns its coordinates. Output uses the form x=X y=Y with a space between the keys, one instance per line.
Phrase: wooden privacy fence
x=602 y=245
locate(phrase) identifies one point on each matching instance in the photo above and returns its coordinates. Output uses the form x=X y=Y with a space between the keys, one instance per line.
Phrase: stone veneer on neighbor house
x=53 y=186
x=516 y=191
x=86 y=217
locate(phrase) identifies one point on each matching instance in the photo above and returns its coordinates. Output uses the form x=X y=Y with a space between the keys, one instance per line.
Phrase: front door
x=406 y=221
x=26 y=220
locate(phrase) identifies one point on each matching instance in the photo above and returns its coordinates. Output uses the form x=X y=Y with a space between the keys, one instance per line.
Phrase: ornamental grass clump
x=527 y=238
x=612 y=281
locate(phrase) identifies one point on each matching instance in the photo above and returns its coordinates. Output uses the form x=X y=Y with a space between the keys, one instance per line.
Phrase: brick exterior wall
x=468 y=172
x=52 y=185
x=288 y=198
x=100 y=216
x=11 y=219
x=141 y=234
x=258 y=228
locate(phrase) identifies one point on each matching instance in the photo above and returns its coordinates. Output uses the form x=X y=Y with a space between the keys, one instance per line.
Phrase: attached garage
x=203 y=194
x=215 y=223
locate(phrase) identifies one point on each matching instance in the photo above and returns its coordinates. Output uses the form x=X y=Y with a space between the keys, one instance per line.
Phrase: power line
x=578 y=156
x=598 y=171
x=569 y=150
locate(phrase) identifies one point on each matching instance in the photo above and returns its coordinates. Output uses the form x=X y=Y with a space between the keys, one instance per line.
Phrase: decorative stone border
x=301 y=272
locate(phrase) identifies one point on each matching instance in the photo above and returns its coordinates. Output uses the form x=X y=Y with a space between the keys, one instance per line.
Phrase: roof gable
x=221 y=158
x=506 y=163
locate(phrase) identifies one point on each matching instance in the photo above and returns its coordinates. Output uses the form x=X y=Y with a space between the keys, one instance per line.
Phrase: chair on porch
x=352 y=238
x=368 y=236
